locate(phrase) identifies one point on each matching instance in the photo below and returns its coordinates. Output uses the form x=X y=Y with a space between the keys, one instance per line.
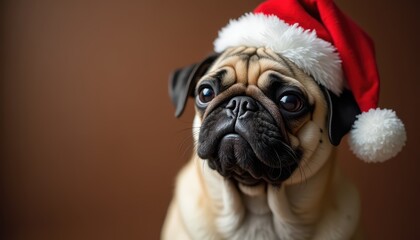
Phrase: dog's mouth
x=236 y=160
x=248 y=150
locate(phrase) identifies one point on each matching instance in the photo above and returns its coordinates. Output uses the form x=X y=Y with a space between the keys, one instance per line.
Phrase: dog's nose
x=238 y=106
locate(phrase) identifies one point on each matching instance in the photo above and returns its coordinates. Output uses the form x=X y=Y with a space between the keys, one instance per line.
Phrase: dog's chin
x=236 y=160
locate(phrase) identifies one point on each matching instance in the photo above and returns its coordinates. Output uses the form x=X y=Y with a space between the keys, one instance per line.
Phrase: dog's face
x=260 y=118
x=253 y=107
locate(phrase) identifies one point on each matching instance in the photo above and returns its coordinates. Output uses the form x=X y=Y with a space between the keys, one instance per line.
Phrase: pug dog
x=264 y=163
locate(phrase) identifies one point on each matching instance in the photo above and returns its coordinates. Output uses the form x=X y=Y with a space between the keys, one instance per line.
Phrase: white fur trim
x=313 y=55
x=377 y=135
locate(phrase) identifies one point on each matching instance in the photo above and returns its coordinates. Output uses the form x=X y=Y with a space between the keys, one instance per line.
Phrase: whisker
x=305 y=165
x=185 y=147
x=187 y=129
x=279 y=159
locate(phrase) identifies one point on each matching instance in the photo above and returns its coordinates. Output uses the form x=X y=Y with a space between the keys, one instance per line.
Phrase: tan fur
x=316 y=202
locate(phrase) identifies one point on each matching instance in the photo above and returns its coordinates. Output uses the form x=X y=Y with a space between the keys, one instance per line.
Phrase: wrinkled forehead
x=256 y=66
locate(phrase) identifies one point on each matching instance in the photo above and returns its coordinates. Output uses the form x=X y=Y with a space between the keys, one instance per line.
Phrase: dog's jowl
x=271 y=104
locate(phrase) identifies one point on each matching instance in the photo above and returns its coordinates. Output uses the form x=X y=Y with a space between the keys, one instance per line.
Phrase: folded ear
x=182 y=82
x=343 y=110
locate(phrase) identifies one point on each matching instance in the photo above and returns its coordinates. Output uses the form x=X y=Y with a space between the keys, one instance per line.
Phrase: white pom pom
x=377 y=135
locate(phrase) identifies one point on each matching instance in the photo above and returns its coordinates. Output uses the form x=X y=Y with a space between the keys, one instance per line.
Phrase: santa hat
x=326 y=44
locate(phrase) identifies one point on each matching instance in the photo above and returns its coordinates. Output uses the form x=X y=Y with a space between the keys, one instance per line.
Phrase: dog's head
x=260 y=117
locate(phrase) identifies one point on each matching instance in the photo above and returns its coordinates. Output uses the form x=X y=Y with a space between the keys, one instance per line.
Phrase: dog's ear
x=342 y=113
x=182 y=82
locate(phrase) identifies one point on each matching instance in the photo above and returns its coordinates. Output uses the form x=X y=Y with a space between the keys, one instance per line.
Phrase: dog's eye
x=206 y=94
x=291 y=102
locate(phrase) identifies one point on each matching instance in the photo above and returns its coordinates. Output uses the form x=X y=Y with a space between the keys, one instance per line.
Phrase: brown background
x=90 y=146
